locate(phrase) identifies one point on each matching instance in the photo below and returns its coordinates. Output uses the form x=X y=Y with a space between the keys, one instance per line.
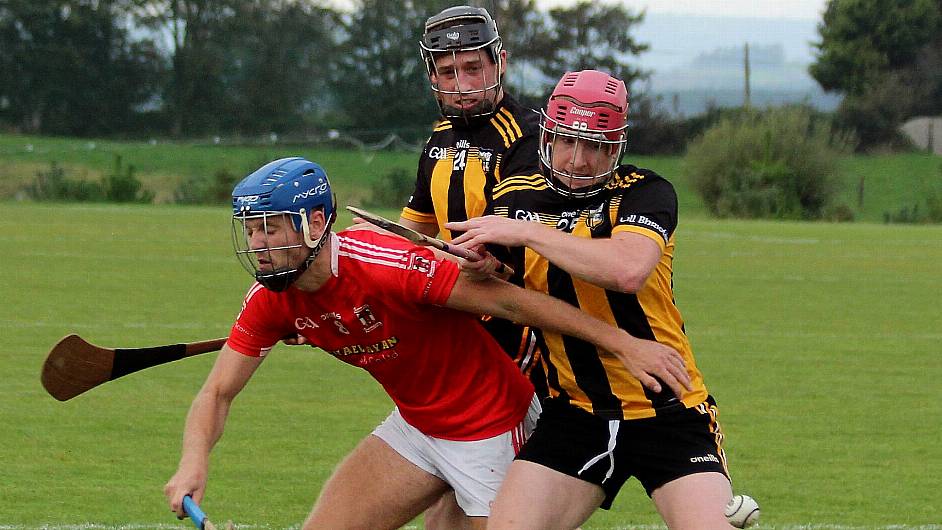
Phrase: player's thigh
x=695 y=502
x=374 y=487
x=537 y=497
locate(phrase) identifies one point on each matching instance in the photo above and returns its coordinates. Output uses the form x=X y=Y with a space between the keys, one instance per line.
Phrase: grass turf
x=890 y=182
x=819 y=341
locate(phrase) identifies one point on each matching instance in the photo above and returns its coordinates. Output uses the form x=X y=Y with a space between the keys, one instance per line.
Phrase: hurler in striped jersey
x=601 y=236
x=406 y=315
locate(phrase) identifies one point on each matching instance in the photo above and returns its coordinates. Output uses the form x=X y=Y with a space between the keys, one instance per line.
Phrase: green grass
x=819 y=341
x=891 y=182
x=165 y=165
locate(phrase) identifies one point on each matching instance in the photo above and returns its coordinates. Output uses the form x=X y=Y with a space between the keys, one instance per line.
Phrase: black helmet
x=461 y=29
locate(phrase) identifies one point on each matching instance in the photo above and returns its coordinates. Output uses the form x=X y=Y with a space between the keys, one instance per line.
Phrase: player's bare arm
x=429 y=229
x=621 y=263
x=205 y=423
x=644 y=359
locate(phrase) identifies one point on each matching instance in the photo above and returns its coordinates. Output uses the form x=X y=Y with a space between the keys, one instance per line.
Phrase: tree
x=277 y=65
x=863 y=39
x=194 y=95
x=521 y=24
x=379 y=79
x=885 y=57
x=70 y=67
x=778 y=164
x=590 y=35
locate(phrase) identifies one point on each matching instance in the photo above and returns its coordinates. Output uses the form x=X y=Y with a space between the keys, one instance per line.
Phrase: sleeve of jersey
x=649 y=210
x=420 y=208
x=256 y=330
x=424 y=280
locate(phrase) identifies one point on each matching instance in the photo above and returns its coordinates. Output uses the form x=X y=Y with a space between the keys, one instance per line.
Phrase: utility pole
x=747 y=96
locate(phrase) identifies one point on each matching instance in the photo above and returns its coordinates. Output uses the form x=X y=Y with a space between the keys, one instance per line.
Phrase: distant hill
x=696 y=61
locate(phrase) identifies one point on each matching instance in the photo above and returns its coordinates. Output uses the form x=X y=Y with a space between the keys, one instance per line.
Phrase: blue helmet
x=290 y=188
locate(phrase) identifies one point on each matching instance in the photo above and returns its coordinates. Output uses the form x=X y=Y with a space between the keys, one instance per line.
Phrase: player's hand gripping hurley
x=199 y=518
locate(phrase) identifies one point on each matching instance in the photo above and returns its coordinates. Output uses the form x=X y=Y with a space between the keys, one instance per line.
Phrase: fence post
x=860 y=192
x=930 y=141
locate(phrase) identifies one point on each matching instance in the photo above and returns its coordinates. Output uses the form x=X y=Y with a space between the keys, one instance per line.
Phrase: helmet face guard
x=283 y=254
x=468 y=36
x=583 y=132
x=271 y=220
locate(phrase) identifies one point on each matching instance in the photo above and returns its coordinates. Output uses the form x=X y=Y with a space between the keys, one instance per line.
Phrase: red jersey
x=382 y=310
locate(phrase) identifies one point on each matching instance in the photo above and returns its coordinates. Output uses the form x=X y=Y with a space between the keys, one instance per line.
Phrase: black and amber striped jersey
x=462 y=162
x=635 y=200
x=458 y=169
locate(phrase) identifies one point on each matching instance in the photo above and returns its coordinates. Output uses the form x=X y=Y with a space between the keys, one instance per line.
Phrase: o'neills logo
x=581 y=112
x=705 y=458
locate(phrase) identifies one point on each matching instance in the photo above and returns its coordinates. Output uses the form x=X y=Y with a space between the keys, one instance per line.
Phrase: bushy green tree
x=277 y=65
x=379 y=79
x=71 y=67
x=863 y=39
x=885 y=56
x=194 y=93
x=586 y=35
x=778 y=163
x=876 y=114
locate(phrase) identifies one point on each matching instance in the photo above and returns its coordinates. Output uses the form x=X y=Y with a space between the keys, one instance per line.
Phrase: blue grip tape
x=193 y=510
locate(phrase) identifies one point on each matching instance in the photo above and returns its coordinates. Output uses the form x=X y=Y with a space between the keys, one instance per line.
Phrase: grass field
x=819 y=341
x=891 y=182
x=164 y=166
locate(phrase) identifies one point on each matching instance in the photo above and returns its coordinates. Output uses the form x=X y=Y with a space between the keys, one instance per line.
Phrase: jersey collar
x=334 y=255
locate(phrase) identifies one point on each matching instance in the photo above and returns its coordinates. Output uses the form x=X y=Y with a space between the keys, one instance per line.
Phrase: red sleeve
x=398 y=267
x=257 y=329
x=440 y=282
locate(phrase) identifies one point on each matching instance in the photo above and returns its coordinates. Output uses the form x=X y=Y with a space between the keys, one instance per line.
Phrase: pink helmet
x=589 y=108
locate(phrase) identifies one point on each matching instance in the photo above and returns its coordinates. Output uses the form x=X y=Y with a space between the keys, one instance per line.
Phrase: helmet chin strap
x=280 y=281
x=316 y=246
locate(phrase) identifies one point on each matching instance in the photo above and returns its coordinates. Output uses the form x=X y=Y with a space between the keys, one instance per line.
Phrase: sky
x=772 y=9
x=769 y=9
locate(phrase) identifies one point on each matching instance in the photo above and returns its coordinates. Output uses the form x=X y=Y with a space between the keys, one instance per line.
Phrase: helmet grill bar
x=250 y=258
x=570 y=179
x=490 y=82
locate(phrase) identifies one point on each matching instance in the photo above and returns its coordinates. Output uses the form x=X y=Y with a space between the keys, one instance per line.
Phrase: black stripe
x=583 y=356
x=630 y=316
x=127 y=361
x=552 y=376
x=456 y=209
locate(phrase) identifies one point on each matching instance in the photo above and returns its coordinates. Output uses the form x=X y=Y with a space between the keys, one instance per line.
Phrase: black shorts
x=655 y=450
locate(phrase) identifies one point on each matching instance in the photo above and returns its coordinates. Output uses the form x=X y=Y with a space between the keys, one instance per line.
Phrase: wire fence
x=332 y=138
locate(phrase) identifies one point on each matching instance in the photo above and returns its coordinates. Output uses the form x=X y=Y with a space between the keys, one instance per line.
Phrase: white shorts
x=473 y=469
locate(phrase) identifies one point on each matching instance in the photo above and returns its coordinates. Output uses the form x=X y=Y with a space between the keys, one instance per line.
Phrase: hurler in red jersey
x=407 y=316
